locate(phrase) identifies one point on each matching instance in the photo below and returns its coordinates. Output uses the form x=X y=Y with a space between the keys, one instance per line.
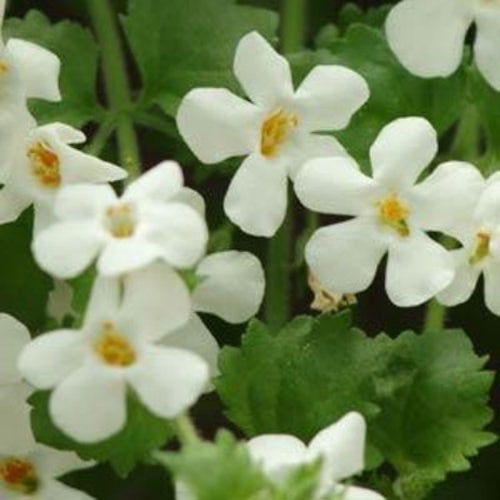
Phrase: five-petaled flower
x=391 y=213
x=427 y=36
x=276 y=130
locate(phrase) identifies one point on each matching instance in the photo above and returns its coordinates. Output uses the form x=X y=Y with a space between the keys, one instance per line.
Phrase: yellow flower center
x=45 y=165
x=113 y=348
x=19 y=475
x=393 y=213
x=4 y=67
x=275 y=130
x=482 y=248
x=120 y=220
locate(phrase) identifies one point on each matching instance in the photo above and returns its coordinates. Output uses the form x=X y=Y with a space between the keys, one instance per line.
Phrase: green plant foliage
x=424 y=396
x=188 y=43
x=143 y=433
x=79 y=55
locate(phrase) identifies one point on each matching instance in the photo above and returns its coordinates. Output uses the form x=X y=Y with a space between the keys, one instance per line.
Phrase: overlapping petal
x=13 y=337
x=487 y=41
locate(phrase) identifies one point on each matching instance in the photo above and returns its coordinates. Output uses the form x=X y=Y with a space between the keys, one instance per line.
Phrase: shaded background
x=373 y=313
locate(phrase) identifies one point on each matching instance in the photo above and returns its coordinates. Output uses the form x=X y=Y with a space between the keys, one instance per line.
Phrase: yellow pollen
x=393 y=213
x=275 y=130
x=113 y=348
x=45 y=165
x=18 y=475
x=120 y=220
x=482 y=249
x=4 y=67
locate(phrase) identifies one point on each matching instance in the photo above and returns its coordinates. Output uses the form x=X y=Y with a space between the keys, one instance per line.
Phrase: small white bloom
x=33 y=475
x=428 y=36
x=479 y=234
x=276 y=130
x=340 y=446
x=43 y=165
x=148 y=222
x=231 y=286
x=391 y=213
x=90 y=370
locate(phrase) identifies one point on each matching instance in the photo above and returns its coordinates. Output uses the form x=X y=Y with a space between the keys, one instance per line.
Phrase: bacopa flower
x=391 y=213
x=230 y=285
x=340 y=447
x=427 y=36
x=44 y=163
x=276 y=130
x=479 y=234
x=90 y=370
x=150 y=221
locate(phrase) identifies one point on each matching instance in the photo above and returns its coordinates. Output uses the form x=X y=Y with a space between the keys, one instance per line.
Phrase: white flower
x=427 y=36
x=91 y=369
x=340 y=447
x=479 y=234
x=33 y=475
x=276 y=130
x=391 y=213
x=148 y=222
x=231 y=286
x=43 y=164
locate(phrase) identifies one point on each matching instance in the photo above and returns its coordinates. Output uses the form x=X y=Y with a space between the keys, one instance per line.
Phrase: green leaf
x=351 y=13
x=142 y=434
x=217 y=471
x=424 y=396
x=394 y=91
x=78 y=52
x=182 y=44
x=25 y=288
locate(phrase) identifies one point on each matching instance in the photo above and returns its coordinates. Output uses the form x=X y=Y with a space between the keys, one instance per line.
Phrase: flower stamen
x=45 y=165
x=275 y=130
x=4 y=67
x=482 y=249
x=113 y=348
x=120 y=220
x=393 y=213
x=19 y=475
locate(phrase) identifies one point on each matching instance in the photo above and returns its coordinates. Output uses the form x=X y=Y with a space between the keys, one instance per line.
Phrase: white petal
x=217 y=124
x=417 y=269
x=90 y=405
x=83 y=201
x=447 y=197
x=55 y=463
x=182 y=492
x=341 y=446
x=344 y=257
x=12 y=205
x=38 y=68
x=487 y=42
x=55 y=490
x=357 y=493
x=492 y=287
x=16 y=436
x=232 y=286
x=51 y=357
x=61 y=132
x=159 y=183
x=192 y=198
x=462 y=287
x=329 y=96
x=13 y=337
x=168 y=380
x=104 y=302
x=178 y=231
x=402 y=150
x=488 y=207
x=66 y=249
x=277 y=454
x=257 y=196
x=165 y=306
x=335 y=186
x=306 y=146
x=427 y=36
x=195 y=337
x=123 y=255
x=263 y=73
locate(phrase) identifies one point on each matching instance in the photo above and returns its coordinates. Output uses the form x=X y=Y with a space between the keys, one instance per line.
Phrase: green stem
x=279 y=257
x=186 y=431
x=116 y=82
x=435 y=316
x=101 y=137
